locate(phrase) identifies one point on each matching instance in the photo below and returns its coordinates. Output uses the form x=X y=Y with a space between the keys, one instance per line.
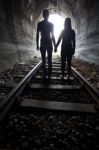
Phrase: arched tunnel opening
x=18 y=23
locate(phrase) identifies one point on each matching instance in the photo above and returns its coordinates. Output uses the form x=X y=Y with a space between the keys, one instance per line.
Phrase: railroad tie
x=55 y=87
x=59 y=106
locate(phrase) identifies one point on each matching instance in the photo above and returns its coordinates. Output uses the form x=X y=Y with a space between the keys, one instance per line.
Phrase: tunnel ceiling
x=18 y=21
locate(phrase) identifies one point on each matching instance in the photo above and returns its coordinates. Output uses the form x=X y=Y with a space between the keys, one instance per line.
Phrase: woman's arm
x=59 y=39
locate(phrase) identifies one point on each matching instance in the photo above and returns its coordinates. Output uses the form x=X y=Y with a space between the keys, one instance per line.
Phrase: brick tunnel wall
x=17 y=41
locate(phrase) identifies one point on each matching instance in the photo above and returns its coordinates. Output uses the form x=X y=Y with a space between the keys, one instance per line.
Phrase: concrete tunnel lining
x=18 y=20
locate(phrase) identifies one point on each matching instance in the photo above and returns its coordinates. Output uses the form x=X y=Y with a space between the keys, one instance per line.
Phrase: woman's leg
x=63 y=63
x=69 y=59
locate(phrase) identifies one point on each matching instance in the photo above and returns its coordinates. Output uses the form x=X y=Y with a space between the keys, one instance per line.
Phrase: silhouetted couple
x=47 y=37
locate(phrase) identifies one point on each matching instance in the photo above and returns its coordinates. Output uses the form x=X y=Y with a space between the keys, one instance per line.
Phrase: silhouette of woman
x=67 y=47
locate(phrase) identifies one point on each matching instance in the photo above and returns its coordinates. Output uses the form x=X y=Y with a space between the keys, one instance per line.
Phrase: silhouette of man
x=47 y=36
x=67 y=47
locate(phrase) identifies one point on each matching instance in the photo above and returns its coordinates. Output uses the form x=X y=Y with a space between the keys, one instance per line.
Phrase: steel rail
x=15 y=92
x=91 y=90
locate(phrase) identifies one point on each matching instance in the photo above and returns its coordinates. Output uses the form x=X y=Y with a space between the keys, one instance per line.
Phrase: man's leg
x=43 y=55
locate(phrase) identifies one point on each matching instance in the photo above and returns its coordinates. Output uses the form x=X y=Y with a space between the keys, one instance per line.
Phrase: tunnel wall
x=88 y=31
x=85 y=20
x=17 y=40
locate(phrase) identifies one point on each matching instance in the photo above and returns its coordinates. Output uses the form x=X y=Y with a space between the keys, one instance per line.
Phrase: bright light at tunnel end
x=58 y=22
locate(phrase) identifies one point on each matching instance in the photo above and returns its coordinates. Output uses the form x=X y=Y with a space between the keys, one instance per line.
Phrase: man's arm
x=37 y=37
x=53 y=37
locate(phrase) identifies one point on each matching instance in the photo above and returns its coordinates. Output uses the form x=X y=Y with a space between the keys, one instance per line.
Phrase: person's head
x=45 y=14
x=67 y=23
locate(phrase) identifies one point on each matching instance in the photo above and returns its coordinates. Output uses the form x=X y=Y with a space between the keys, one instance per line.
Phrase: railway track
x=9 y=79
x=34 y=94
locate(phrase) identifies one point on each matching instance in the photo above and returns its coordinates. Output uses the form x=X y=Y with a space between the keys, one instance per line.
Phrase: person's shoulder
x=63 y=31
x=73 y=31
x=50 y=23
x=41 y=22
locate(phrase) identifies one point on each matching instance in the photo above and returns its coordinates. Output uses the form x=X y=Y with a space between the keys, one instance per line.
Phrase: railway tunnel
x=18 y=21
x=55 y=113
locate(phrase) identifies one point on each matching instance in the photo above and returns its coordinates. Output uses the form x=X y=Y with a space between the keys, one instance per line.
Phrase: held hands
x=55 y=50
